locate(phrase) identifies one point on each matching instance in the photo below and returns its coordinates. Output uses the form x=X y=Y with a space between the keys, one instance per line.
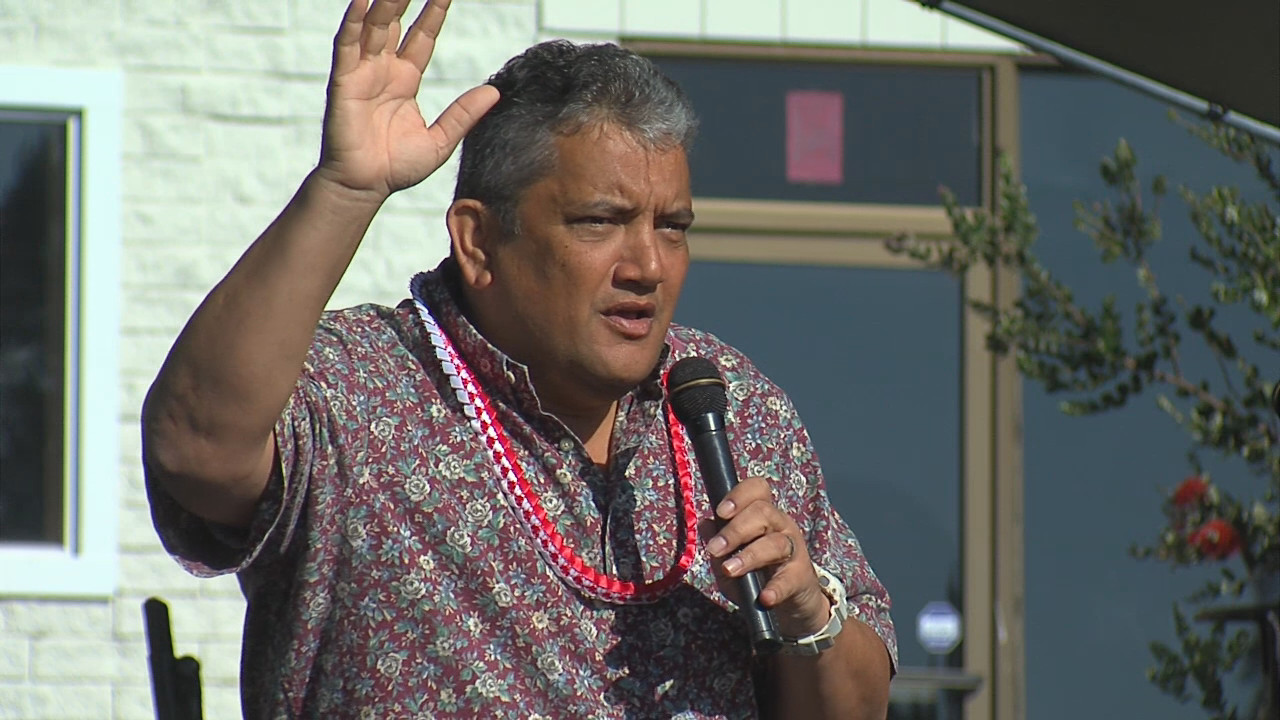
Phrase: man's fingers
x=757 y=536
x=393 y=37
x=772 y=550
x=382 y=26
x=742 y=495
x=791 y=581
x=462 y=114
x=748 y=524
x=346 y=45
x=420 y=42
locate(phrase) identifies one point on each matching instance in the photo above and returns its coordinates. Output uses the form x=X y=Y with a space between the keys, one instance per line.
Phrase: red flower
x=1190 y=492
x=1215 y=539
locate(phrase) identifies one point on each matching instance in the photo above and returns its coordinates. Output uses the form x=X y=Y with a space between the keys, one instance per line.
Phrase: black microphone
x=698 y=397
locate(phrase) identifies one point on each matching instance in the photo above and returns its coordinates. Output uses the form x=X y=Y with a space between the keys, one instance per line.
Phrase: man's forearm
x=850 y=681
x=209 y=415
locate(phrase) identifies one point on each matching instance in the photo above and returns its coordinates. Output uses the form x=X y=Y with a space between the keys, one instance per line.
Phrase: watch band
x=825 y=638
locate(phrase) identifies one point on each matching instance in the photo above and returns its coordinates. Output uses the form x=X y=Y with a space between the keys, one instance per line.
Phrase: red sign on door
x=815 y=137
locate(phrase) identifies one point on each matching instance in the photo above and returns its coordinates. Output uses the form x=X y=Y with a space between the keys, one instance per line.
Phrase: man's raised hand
x=375 y=139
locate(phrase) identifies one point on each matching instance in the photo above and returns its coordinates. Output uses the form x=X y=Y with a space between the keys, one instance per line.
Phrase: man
x=477 y=504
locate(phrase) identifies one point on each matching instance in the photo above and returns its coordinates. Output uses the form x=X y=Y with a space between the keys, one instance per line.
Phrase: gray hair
x=558 y=88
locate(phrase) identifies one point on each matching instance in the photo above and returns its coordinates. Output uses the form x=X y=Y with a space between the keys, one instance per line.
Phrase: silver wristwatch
x=826 y=637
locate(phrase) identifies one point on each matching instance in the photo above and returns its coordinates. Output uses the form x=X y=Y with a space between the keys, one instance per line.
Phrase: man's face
x=584 y=294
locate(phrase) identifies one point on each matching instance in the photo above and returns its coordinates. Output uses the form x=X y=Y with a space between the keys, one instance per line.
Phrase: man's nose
x=642 y=262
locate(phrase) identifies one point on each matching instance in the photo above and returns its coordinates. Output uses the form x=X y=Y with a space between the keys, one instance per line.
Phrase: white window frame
x=85 y=564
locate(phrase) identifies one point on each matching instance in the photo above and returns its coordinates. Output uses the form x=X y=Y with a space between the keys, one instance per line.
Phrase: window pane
x=33 y=236
x=832 y=132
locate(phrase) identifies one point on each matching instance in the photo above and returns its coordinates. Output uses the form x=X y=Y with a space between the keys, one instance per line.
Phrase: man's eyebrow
x=604 y=207
x=617 y=208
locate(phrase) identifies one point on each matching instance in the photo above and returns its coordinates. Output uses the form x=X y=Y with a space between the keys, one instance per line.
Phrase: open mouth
x=633 y=320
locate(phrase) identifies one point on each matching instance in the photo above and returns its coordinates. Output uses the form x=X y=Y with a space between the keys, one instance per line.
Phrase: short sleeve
x=317 y=423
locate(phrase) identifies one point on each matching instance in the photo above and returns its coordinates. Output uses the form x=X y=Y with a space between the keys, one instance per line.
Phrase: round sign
x=938 y=627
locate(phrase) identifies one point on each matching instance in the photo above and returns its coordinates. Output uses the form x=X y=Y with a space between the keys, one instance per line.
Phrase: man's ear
x=473 y=231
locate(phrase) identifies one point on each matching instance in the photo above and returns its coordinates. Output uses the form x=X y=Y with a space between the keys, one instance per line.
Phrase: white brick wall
x=223 y=100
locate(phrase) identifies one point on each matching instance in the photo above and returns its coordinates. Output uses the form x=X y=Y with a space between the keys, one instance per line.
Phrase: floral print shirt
x=386 y=576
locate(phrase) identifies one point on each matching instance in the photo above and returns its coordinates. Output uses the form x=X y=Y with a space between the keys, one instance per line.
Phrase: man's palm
x=375 y=136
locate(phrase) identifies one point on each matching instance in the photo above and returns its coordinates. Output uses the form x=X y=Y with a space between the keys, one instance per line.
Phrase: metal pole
x=1078 y=59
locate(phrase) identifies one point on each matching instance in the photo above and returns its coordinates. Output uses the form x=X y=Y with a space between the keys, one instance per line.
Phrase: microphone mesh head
x=696 y=388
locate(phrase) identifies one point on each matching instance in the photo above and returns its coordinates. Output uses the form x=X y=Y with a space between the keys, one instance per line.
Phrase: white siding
x=822 y=21
x=751 y=20
x=659 y=18
x=879 y=23
x=590 y=17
